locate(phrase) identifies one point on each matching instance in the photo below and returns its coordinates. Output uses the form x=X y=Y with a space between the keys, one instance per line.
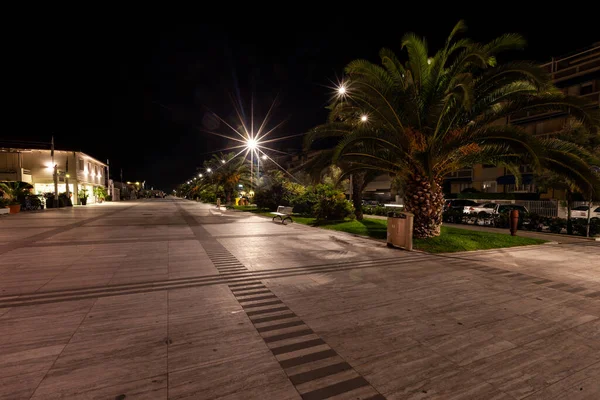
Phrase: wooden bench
x=283 y=213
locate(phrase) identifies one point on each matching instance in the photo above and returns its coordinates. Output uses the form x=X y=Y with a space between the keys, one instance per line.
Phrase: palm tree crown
x=433 y=115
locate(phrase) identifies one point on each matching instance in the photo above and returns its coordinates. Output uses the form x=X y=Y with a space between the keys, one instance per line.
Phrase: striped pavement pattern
x=315 y=369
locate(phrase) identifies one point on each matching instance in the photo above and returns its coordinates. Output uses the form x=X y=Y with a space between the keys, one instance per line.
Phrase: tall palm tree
x=228 y=171
x=432 y=115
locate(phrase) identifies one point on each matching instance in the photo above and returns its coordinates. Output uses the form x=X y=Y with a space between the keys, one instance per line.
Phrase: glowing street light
x=364 y=118
x=342 y=90
x=251 y=143
x=200 y=175
x=208 y=170
x=264 y=157
x=222 y=161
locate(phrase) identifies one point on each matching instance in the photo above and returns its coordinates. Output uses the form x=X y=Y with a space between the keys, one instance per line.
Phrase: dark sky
x=133 y=90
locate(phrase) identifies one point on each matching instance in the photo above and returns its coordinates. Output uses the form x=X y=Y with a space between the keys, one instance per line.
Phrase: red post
x=514 y=222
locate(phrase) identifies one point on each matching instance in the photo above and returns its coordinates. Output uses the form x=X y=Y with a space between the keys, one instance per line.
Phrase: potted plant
x=83 y=196
x=11 y=191
x=100 y=193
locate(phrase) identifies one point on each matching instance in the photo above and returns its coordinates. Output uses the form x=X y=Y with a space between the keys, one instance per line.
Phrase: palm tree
x=432 y=115
x=228 y=171
x=14 y=189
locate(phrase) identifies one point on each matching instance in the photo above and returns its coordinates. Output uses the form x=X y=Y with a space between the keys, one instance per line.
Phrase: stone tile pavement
x=174 y=299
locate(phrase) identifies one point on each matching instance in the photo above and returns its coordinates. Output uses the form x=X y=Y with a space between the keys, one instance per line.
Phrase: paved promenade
x=170 y=299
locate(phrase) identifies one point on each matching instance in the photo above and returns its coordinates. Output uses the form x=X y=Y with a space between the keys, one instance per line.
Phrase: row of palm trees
x=429 y=116
x=219 y=175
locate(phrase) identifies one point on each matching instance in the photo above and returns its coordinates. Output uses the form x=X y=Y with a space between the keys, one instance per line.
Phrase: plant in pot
x=100 y=193
x=12 y=191
x=83 y=196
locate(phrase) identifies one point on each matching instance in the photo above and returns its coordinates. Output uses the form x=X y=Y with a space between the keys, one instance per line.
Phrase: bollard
x=514 y=222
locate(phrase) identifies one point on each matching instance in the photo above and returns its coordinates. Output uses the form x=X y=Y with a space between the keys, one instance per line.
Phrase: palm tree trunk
x=425 y=200
x=357 y=187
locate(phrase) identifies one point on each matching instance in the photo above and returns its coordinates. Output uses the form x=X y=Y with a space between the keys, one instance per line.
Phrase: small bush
x=580 y=226
x=333 y=208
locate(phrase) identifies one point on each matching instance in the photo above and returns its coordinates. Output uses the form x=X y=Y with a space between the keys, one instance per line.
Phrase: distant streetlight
x=364 y=118
x=264 y=157
x=342 y=89
x=208 y=170
x=223 y=161
x=199 y=175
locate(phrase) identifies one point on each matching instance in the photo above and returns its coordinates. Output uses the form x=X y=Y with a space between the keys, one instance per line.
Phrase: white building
x=35 y=166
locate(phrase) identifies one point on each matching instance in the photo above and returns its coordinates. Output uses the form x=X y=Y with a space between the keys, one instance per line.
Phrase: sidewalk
x=535 y=235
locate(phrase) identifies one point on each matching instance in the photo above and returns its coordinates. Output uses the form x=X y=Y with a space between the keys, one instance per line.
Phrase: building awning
x=526 y=179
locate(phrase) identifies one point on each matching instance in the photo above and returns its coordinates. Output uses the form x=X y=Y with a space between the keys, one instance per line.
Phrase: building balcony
x=581 y=63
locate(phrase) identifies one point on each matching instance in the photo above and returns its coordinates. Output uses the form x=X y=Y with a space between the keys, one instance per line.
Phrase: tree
x=575 y=133
x=322 y=168
x=432 y=115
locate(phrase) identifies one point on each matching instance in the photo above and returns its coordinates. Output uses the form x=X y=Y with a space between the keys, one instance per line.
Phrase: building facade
x=75 y=169
x=576 y=74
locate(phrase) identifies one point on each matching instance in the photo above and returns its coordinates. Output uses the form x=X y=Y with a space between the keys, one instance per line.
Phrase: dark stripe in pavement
x=266 y=303
x=294 y=362
x=273 y=318
x=595 y=294
x=237 y=294
x=270 y=310
x=279 y=326
x=543 y=281
x=320 y=373
x=290 y=335
x=249 y=287
x=335 y=389
x=272 y=296
x=575 y=289
x=376 y=397
x=558 y=285
x=297 y=346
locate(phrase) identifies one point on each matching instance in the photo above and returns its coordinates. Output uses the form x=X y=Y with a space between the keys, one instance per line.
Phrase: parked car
x=457 y=204
x=582 y=212
x=493 y=208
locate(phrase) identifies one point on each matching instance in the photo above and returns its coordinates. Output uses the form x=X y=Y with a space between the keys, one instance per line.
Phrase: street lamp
x=251 y=144
x=208 y=170
x=223 y=161
x=199 y=175
x=264 y=157
x=364 y=118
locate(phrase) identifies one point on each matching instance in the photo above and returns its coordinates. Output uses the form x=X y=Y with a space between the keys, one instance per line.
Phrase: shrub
x=453 y=216
x=556 y=225
x=334 y=207
x=109 y=198
x=580 y=226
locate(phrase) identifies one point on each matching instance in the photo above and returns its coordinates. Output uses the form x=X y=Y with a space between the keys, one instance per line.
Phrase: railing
x=579 y=63
x=545 y=208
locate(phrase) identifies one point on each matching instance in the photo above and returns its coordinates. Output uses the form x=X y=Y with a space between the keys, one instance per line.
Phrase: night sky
x=135 y=90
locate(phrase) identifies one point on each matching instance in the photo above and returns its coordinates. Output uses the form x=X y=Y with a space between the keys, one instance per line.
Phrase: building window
x=490 y=186
x=80 y=164
x=488 y=166
x=464 y=185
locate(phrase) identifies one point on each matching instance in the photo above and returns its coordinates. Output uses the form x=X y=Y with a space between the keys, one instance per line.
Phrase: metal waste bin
x=400 y=230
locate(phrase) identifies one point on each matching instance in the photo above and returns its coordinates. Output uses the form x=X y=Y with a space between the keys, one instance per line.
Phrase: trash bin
x=400 y=230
